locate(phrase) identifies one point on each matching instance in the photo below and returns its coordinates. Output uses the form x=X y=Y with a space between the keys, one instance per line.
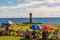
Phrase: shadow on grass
x=39 y=39
x=31 y=39
x=25 y=39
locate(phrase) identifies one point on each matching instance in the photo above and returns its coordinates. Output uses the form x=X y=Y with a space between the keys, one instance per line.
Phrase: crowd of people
x=35 y=35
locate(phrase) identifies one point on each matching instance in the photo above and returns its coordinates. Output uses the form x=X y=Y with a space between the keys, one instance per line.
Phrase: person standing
x=27 y=34
x=44 y=35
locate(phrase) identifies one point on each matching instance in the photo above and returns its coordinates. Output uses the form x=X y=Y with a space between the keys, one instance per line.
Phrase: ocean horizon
x=37 y=20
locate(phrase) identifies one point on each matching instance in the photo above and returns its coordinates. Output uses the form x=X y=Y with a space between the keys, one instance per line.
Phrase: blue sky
x=22 y=8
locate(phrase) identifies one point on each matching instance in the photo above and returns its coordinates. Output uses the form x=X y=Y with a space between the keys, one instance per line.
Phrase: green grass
x=12 y=38
x=23 y=27
x=15 y=27
x=9 y=38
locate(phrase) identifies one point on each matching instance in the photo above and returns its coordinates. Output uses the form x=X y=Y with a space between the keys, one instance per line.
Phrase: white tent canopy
x=10 y=22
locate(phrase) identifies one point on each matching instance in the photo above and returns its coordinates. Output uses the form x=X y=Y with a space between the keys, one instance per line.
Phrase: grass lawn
x=16 y=38
x=23 y=27
x=12 y=38
x=9 y=38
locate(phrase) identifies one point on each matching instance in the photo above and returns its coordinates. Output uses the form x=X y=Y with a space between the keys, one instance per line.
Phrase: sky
x=22 y=8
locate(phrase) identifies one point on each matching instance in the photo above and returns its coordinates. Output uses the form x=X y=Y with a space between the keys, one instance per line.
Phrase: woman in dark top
x=44 y=35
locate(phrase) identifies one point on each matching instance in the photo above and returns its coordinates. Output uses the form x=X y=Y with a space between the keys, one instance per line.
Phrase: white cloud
x=53 y=1
x=50 y=1
x=46 y=14
x=23 y=5
x=42 y=11
x=10 y=15
x=30 y=4
x=46 y=9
